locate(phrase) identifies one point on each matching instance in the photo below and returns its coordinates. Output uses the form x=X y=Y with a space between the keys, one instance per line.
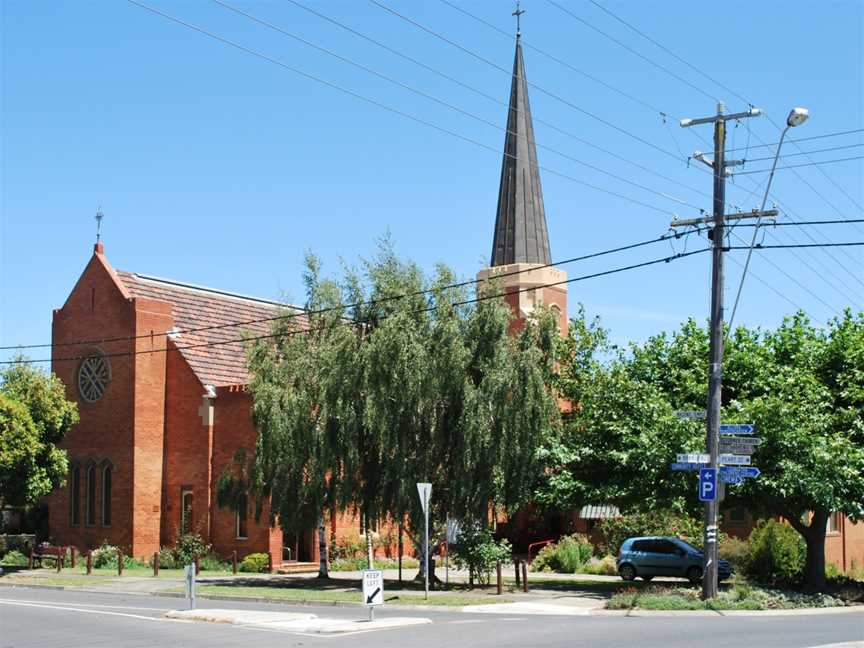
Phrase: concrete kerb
x=503 y=607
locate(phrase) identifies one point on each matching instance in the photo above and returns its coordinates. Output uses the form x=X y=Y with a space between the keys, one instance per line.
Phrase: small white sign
x=425 y=491
x=694 y=457
x=691 y=414
x=373 y=587
x=734 y=460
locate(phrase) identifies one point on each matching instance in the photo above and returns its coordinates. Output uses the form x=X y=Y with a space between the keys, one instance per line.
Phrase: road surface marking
x=79 y=609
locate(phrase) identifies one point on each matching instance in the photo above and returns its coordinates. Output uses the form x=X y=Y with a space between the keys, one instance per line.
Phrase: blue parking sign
x=707 y=484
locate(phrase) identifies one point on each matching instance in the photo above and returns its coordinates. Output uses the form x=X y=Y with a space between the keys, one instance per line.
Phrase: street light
x=797 y=116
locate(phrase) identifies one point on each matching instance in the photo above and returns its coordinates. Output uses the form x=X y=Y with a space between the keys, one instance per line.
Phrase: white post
x=426 y=544
x=190 y=585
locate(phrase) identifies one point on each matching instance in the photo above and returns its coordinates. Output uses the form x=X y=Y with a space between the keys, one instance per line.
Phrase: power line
x=496 y=100
x=448 y=105
x=806 y=164
x=383 y=106
x=552 y=57
x=824 y=150
x=465 y=302
x=800 y=139
x=549 y=93
x=632 y=51
x=372 y=302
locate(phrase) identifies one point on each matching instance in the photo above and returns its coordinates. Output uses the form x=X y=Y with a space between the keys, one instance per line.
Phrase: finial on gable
x=99 y=247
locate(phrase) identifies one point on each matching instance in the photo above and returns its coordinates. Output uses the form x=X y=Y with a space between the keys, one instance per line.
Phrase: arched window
x=242 y=514
x=107 y=477
x=187 y=500
x=75 y=495
x=90 y=497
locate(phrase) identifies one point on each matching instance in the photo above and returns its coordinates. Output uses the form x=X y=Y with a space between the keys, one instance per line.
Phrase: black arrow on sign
x=371 y=597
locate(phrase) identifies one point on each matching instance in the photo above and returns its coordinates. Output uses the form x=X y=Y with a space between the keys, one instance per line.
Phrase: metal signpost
x=425 y=491
x=189 y=573
x=373 y=590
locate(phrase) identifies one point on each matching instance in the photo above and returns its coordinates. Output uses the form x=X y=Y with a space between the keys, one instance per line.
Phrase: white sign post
x=373 y=590
x=190 y=584
x=425 y=491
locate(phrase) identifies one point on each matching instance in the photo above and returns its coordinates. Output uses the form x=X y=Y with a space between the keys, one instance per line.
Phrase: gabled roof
x=223 y=361
x=520 y=224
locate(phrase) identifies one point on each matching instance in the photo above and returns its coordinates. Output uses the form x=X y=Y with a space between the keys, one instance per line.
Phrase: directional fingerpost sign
x=684 y=465
x=373 y=587
x=743 y=472
x=734 y=460
x=691 y=414
x=693 y=457
x=707 y=484
x=737 y=449
x=737 y=428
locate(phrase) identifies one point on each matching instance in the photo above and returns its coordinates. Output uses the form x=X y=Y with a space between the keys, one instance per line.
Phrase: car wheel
x=627 y=572
x=694 y=575
x=647 y=579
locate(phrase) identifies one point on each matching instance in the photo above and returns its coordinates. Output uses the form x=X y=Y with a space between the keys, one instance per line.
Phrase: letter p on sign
x=707 y=484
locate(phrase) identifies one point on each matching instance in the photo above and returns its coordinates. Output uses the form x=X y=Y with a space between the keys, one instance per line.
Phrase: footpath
x=549 y=594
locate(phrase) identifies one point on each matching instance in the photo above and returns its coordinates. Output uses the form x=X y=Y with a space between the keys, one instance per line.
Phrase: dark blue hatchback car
x=652 y=556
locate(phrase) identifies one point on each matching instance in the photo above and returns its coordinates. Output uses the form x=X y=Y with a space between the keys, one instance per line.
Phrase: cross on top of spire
x=99 y=217
x=518 y=13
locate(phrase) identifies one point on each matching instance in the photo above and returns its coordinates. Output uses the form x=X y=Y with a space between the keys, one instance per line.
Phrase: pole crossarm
x=756 y=213
x=753 y=112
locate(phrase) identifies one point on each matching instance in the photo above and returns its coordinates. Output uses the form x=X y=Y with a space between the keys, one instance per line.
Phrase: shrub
x=832 y=571
x=348 y=546
x=167 y=559
x=478 y=551
x=105 y=556
x=255 y=563
x=565 y=556
x=660 y=523
x=735 y=551
x=605 y=566
x=212 y=562
x=189 y=547
x=776 y=554
x=14 y=558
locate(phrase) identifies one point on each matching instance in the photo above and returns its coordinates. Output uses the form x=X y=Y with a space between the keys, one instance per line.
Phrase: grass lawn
x=738 y=596
x=277 y=593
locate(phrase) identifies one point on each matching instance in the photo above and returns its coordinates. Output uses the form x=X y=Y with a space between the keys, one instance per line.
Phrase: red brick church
x=160 y=382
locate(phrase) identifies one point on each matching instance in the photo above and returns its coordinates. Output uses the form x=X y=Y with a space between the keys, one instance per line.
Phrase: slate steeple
x=520 y=224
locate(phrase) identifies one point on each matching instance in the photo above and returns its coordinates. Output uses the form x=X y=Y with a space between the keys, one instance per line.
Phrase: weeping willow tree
x=396 y=378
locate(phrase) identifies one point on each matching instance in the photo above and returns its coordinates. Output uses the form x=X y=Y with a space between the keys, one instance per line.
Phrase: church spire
x=520 y=224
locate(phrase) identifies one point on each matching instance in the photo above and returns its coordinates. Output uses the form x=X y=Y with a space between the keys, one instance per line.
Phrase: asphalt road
x=48 y=618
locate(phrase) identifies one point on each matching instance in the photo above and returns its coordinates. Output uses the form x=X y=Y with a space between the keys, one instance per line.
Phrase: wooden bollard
x=525 y=576
x=234 y=562
x=197 y=565
x=518 y=578
x=72 y=553
x=61 y=556
x=155 y=563
x=30 y=560
x=500 y=579
x=119 y=563
x=89 y=562
x=269 y=562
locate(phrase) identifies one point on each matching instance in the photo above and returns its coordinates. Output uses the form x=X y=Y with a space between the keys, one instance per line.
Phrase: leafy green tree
x=802 y=386
x=34 y=418
x=399 y=379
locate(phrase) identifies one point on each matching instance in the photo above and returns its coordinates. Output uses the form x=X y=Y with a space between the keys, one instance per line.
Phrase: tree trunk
x=814 y=538
x=323 y=571
x=370 y=556
x=814 y=567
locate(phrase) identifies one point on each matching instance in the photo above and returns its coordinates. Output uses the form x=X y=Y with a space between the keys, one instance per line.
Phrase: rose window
x=93 y=376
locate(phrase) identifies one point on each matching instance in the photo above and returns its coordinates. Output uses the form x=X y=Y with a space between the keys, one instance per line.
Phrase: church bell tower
x=520 y=246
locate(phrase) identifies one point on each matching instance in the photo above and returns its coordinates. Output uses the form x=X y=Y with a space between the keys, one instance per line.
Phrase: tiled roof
x=196 y=307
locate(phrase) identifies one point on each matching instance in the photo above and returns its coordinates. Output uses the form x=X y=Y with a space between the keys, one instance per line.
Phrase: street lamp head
x=797 y=116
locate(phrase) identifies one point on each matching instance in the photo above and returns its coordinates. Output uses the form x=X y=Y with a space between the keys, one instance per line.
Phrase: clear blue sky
x=218 y=168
